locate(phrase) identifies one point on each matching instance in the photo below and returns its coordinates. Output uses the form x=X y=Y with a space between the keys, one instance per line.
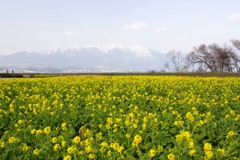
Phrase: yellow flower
x=131 y=115
x=12 y=140
x=127 y=122
x=71 y=150
x=236 y=118
x=128 y=135
x=190 y=144
x=80 y=152
x=67 y=157
x=171 y=156
x=47 y=130
x=109 y=121
x=102 y=150
x=36 y=151
x=91 y=156
x=76 y=139
x=33 y=131
x=2 y=144
x=117 y=147
x=230 y=134
x=178 y=123
x=63 y=143
x=227 y=116
x=88 y=149
x=200 y=123
x=135 y=126
x=56 y=147
x=24 y=147
x=99 y=136
x=39 y=131
x=209 y=154
x=192 y=152
x=109 y=153
x=155 y=119
x=144 y=125
x=64 y=126
x=207 y=147
x=108 y=126
x=54 y=140
x=179 y=137
x=160 y=148
x=186 y=134
x=87 y=142
x=137 y=140
x=134 y=144
x=144 y=119
x=152 y=153
x=232 y=112
x=104 y=144
x=221 y=151
x=118 y=120
x=190 y=116
x=20 y=121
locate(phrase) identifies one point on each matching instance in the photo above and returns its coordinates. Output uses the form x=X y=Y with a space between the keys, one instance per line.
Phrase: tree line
x=207 y=58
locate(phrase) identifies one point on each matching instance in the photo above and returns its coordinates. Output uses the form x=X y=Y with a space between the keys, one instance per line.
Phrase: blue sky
x=37 y=25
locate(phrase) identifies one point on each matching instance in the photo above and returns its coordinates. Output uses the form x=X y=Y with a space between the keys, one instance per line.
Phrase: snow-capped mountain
x=111 y=58
x=138 y=51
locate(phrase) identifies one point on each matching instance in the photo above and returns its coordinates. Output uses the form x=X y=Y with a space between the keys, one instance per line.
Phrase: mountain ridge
x=96 y=58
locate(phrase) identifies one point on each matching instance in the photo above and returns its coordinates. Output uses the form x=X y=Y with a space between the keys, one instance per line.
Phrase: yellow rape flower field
x=120 y=117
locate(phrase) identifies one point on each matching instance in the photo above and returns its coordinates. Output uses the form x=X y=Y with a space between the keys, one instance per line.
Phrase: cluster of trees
x=207 y=58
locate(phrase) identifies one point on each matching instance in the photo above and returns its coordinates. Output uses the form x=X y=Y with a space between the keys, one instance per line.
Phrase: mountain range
x=111 y=58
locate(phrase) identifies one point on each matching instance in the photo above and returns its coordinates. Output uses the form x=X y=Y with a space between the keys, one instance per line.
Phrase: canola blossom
x=120 y=117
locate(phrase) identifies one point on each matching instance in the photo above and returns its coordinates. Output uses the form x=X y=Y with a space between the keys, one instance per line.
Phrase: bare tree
x=222 y=54
x=235 y=56
x=177 y=61
x=236 y=44
x=202 y=57
x=214 y=58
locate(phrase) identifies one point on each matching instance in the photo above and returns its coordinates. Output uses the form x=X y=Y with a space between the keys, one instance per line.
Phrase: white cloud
x=135 y=26
x=161 y=29
x=68 y=33
x=234 y=17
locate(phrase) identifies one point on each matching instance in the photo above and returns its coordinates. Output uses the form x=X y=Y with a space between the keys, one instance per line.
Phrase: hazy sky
x=162 y=25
